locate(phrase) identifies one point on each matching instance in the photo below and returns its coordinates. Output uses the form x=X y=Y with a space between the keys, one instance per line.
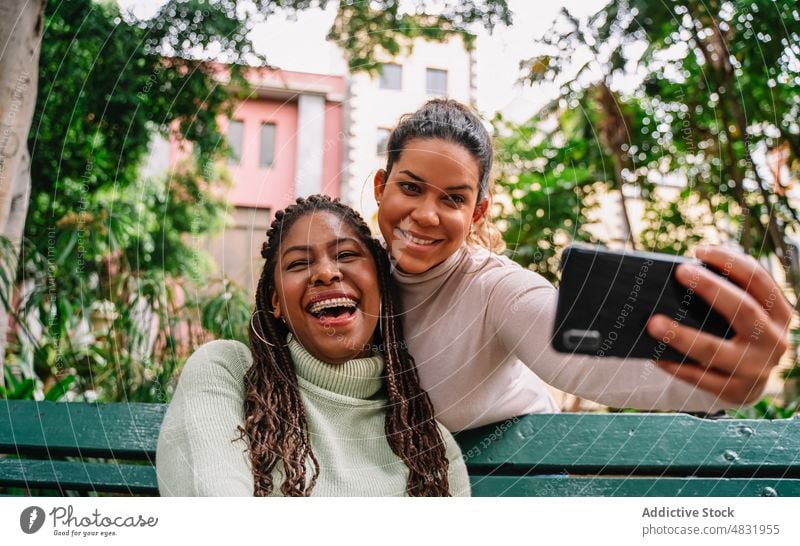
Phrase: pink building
x=288 y=139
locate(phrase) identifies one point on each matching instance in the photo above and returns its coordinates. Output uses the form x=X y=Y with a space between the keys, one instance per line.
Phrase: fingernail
x=687 y=272
x=702 y=250
x=657 y=326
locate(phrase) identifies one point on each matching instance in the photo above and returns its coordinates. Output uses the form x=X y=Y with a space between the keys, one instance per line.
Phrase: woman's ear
x=480 y=210
x=276 y=306
x=379 y=184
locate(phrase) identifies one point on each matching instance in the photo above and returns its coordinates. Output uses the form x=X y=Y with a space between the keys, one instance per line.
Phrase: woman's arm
x=198 y=452
x=522 y=310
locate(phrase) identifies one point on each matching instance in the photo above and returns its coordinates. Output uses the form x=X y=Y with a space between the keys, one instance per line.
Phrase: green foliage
x=110 y=259
x=17 y=389
x=768 y=408
x=105 y=86
x=115 y=302
x=672 y=225
x=366 y=29
x=718 y=81
x=8 y=268
x=543 y=174
x=679 y=99
x=24 y=388
x=226 y=313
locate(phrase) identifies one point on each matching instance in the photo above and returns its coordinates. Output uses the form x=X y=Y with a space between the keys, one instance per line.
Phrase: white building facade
x=375 y=103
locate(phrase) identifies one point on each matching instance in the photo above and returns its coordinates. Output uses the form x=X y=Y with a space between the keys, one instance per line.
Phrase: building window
x=391 y=76
x=267 y=157
x=436 y=81
x=383 y=138
x=235 y=137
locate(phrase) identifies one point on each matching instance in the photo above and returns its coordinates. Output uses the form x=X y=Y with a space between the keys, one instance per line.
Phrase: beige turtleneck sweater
x=199 y=453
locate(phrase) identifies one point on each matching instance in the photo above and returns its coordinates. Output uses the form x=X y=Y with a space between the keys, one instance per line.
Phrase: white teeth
x=416 y=240
x=334 y=302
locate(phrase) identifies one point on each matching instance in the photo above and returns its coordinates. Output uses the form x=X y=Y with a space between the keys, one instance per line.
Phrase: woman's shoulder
x=453 y=450
x=496 y=268
x=222 y=356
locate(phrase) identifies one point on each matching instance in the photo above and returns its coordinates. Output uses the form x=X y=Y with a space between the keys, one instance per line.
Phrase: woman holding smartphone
x=479 y=325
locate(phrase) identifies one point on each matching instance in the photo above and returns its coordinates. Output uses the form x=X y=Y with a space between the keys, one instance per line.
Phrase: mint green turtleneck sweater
x=200 y=454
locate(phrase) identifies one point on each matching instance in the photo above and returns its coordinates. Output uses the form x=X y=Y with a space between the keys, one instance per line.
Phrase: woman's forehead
x=320 y=228
x=434 y=160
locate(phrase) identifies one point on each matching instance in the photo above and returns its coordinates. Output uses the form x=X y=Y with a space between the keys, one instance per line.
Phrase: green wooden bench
x=72 y=447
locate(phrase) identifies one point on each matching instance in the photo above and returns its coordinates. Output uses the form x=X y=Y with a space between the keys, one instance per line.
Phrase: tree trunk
x=623 y=203
x=613 y=128
x=21 y=23
x=721 y=67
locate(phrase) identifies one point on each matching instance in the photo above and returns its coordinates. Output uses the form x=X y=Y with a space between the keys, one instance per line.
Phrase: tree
x=362 y=29
x=712 y=82
x=548 y=168
x=21 y=26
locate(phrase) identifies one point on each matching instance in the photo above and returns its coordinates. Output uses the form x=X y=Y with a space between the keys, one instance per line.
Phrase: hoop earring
x=380 y=321
x=258 y=335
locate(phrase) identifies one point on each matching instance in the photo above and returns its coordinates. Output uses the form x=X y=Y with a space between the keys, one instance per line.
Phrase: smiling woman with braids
x=327 y=400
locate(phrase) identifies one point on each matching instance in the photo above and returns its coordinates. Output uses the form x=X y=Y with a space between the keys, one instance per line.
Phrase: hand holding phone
x=607 y=297
x=735 y=366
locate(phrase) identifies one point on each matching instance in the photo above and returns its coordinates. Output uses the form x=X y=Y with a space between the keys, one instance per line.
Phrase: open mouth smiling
x=332 y=307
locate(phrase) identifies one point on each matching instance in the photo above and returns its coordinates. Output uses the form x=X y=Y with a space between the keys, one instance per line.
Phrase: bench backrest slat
x=125 y=431
x=586 y=486
x=639 y=444
x=78 y=476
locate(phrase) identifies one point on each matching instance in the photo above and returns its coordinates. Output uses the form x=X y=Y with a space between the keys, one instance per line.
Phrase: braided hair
x=274 y=418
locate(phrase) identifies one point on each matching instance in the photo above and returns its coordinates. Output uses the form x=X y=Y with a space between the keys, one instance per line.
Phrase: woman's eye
x=409 y=187
x=346 y=254
x=456 y=199
x=297 y=264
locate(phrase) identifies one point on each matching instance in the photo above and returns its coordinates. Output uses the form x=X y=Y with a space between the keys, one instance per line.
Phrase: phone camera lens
x=581 y=340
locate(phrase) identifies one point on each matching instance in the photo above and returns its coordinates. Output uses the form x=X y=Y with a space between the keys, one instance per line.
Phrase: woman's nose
x=425 y=214
x=325 y=272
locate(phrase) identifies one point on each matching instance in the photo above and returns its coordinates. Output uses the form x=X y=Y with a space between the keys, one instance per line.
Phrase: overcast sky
x=300 y=45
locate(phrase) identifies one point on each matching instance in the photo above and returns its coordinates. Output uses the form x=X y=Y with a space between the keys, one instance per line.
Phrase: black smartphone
x=606 y=298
